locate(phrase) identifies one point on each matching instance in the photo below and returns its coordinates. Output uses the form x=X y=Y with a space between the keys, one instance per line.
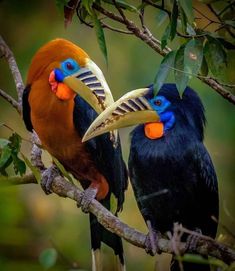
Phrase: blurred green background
x=32 y=221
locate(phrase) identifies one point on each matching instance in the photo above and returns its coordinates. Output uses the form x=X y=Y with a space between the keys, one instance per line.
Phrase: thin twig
x=156 y=46
x=10 y=100
x=116 y=29
x=227 y=7
x=120 y=12
x=17 y=180
x=14 y=69
x=160 y=7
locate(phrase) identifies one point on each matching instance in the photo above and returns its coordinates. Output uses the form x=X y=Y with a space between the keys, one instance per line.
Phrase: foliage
x=9 y=154
x=202 y=51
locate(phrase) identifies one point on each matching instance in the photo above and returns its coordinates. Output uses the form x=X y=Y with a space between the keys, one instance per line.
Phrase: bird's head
x=68 y=71
x=159 y=113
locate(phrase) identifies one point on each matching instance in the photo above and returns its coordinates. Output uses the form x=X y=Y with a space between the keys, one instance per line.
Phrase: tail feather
x=100 y=234
x=120 y=266
x=96 y=260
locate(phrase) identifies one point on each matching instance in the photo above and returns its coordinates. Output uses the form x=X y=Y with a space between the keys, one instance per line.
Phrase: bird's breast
x=52 y=120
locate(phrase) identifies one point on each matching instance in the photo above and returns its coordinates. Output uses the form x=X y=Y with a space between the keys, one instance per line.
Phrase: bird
x=65 y=91
x=171 y=172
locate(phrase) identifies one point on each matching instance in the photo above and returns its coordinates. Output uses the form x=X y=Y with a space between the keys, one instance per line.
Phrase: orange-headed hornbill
x=65 y=91
x=170 y=169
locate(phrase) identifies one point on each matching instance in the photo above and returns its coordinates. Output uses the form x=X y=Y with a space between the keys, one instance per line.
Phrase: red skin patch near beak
x=62 y=91
x=154 y=130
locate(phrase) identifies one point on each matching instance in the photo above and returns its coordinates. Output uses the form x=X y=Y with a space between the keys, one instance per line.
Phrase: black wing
x=26 y=109
x=208 y=189
x=107 y=158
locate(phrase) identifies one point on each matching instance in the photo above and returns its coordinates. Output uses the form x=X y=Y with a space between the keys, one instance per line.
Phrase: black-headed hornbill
x=65 y=91
x=171 y=172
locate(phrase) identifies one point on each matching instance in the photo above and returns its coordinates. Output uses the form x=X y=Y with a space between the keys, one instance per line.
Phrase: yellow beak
x=90 y=84
x=132 y=108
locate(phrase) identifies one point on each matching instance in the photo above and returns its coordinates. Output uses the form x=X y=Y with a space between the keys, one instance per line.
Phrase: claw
x=47 y=178
x=192 y=240
x=151 y=243
x=88 y=195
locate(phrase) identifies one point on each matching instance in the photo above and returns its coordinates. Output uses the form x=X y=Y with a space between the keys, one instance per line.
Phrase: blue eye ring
x=69 y=66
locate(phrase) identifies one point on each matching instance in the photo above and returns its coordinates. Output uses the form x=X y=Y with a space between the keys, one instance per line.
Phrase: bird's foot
x=192 y=240
x=151 y=242
x=47 y=178
x=88 y=195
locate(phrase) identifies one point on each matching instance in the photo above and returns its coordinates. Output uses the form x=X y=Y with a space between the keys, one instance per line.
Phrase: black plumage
x=173 y=177
x=110 y=164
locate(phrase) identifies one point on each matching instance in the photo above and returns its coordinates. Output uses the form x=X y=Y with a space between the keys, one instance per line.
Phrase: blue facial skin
x=68 y=67
x=160 y=105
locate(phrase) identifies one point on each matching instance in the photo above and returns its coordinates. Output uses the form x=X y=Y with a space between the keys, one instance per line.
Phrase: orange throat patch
x=62 y=91
x=154 y=130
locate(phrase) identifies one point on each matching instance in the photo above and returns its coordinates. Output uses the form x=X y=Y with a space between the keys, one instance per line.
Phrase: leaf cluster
x=9 y=154
x=202 y=52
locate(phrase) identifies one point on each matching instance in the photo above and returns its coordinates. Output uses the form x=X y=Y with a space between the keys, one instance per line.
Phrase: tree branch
x=148 y=38
x=10 y=100
x=7 y=53
x=17 y=180
x=205 y=245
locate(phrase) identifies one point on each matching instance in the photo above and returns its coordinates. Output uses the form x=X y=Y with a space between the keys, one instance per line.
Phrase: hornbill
x=65 y=91
x=171 y=172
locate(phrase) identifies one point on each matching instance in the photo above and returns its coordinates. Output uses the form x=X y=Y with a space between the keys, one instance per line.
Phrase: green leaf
x=123 y=4
x=48 y=258
x=204 y=67
x=19 y=165
x=215 y=56
x=163 y=71
x=15 y=142
x=5 y=157
x=181 y=78
x=183 y=19
x=100 y=36
x=87 y=4
x=174 y=17
x=36 y=172
x=3 y=142
x=165 y=36
x=230 y=23
x=161 y=17
x=62 y=169
x=187 y=7
x=190 y=30
x=193 y=55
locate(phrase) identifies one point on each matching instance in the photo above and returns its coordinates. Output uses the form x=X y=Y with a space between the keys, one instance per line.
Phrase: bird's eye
x=158 y=102
x=69 y=66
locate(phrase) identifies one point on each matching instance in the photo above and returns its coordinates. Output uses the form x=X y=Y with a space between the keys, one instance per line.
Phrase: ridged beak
x=90 y=84
x=131 y=109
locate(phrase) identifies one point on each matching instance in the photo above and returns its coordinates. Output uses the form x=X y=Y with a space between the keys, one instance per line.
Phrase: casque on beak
x=131 y=109
x=90 y=84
